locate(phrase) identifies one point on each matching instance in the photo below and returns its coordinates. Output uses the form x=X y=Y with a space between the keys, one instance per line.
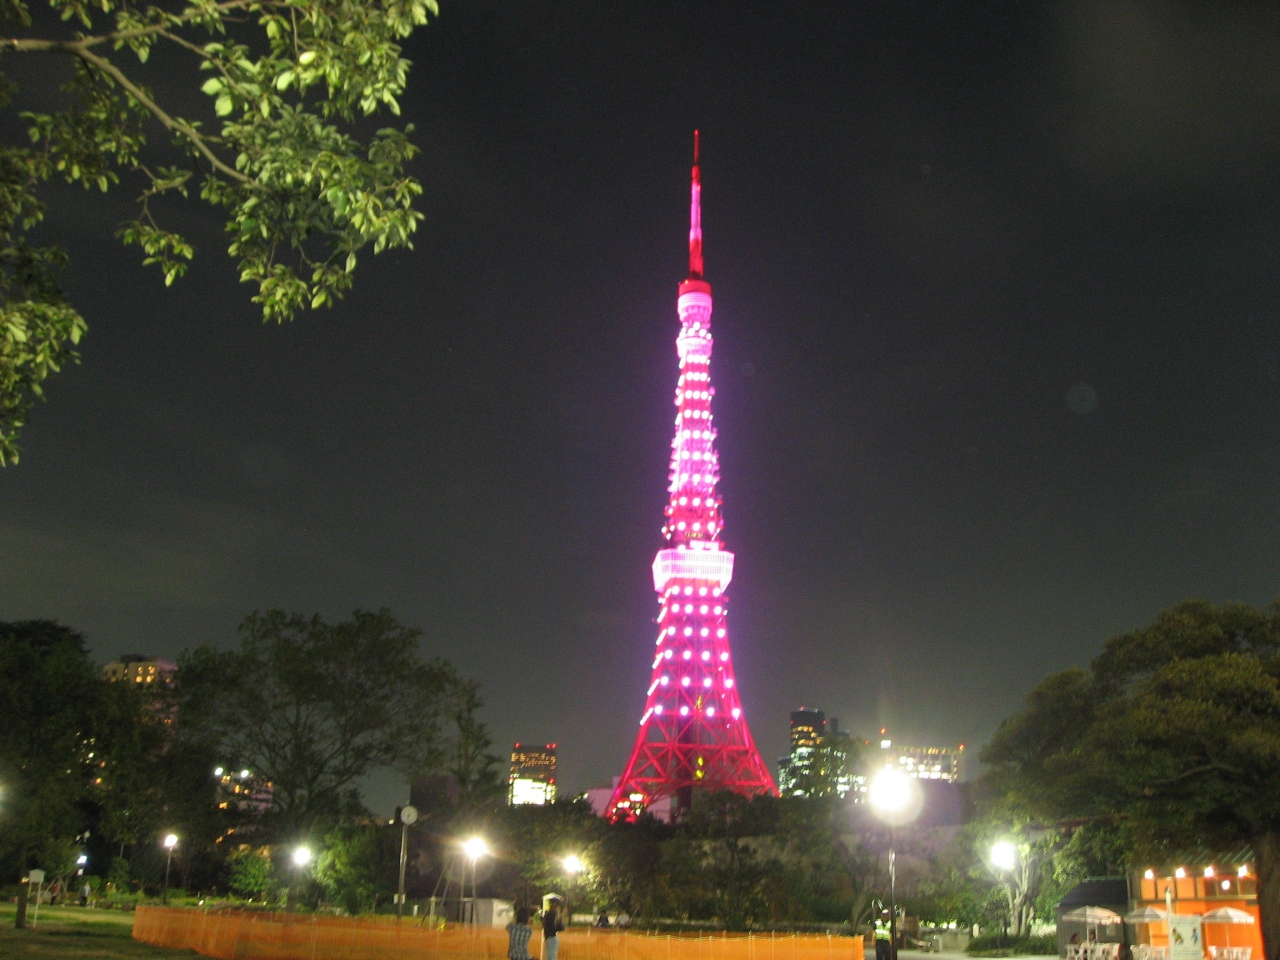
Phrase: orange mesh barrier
x=243 y=935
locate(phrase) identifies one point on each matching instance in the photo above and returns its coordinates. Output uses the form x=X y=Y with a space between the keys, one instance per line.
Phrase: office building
x=533 y=774
x=819 y=757
x=139 y=668
x=923 y=763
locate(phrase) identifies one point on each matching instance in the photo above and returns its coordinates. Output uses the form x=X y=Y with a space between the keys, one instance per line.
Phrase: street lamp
x=896 y=800
x=1004 y=857
x=301 y=857
x=573 y=866
x=474 y=848
x=170 y=842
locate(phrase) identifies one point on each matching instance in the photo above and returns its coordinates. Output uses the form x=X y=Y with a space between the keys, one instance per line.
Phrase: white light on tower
x=171 y=841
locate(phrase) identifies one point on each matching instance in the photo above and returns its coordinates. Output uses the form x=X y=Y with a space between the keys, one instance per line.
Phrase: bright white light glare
x=573 y=864
x=893 y=796
x=1149 y=875
x=475 y=848
x=301 y=856
x=1180 y=873
x=82 y=860
x=1208 y=872
x=218 y=771
x=171 y=841
x=1226 y=884
x=1243 y=871
x=244 y=774
x=1004 y=855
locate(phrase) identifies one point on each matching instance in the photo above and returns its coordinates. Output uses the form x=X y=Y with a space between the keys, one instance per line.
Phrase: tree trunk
x=1267 y=850
x=24 y=893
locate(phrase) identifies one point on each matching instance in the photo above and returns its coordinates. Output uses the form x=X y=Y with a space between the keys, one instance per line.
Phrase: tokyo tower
x=693 y=732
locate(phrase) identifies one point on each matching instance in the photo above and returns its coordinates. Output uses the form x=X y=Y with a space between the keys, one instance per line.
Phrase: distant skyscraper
x=819 y=757
x=923 y=763
x=140 y=669
x=533 y=774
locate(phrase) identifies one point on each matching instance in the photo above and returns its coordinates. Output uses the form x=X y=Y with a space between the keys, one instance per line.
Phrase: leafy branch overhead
x=286 y=84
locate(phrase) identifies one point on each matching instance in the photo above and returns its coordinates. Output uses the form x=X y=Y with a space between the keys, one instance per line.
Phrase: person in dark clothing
x=518 y=934
x=551 y=925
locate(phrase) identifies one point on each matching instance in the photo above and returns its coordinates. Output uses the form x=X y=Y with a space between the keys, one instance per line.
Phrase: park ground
x=73 y=932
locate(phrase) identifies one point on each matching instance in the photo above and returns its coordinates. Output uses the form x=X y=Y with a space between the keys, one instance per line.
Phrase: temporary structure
x=1227 y=915
x=1100 y=916
x=1145 y=915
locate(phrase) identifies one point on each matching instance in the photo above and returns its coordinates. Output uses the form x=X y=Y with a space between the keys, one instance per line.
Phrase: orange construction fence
x=246 y=935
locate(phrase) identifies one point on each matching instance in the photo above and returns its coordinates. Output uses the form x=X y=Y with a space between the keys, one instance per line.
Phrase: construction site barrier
x=247 y=935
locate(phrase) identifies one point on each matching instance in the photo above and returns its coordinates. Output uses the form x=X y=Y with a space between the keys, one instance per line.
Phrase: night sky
x=997 y=360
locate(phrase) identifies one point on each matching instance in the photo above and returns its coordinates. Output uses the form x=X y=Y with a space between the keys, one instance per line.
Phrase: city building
x=819 y=759
x=923 y=763
x=242 y=791
x=139 y=668
x=1213 y=896
x=693 y=732
x=533 y=774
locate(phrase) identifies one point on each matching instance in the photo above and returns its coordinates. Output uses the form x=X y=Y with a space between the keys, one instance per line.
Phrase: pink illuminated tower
x=693 y=732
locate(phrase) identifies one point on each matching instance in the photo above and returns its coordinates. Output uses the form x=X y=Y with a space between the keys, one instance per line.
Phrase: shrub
x=999 y=945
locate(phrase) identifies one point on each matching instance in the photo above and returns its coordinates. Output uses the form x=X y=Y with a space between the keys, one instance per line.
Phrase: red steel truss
x=693 y=732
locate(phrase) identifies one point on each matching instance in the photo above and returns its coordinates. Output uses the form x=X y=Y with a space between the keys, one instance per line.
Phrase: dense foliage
x=1169 y=742
x=284 y=87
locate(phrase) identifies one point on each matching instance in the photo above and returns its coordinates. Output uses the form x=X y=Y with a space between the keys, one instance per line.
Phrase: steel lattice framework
x=693 y=732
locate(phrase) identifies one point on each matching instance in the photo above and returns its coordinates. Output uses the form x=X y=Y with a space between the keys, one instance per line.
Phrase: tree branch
x=78 y=48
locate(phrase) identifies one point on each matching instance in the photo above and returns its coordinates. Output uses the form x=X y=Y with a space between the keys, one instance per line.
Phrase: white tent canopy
x=1145 y=915
x=1227 y=915
x=1098 y=915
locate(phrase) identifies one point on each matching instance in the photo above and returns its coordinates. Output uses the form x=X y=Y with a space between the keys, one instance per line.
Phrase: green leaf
x=222 y=106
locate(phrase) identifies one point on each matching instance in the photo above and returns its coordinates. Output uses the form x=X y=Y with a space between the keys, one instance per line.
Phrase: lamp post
x=408 y=817
x=573 y=866
x=475 y=848
x=895 y=798
x=1004 y=858
x=170 y=842
x=301 y=857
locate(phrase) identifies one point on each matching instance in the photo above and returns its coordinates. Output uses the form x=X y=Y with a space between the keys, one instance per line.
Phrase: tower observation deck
x=693 y=732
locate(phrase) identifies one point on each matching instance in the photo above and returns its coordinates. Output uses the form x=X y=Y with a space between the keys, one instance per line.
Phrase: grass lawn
x=75 y=932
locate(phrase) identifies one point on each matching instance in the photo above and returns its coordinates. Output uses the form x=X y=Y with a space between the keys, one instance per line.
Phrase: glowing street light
x=1004 y=855
x=301 y=857
x=896 y=800
x=573 y=865
x=474 y=848
x=170 y=841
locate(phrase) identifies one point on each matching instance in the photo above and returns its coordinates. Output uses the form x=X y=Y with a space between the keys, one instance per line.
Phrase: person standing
x=551 y=925
x=884 y=950
x=518 y=934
